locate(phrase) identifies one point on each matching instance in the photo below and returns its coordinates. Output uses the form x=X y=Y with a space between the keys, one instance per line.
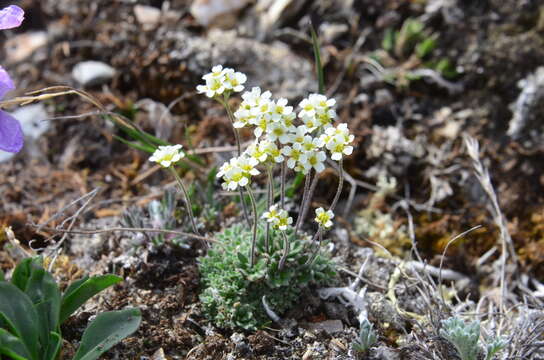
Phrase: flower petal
x=11 y=17
x=6 y=84
x=11 y=134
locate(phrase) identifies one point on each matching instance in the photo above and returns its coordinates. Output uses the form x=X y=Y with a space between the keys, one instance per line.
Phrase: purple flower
x=11 y=17
x=11 y=134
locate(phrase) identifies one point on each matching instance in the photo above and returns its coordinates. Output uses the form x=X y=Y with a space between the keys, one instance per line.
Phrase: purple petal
x=6 y=84
x=11 y=134
x=11 y=17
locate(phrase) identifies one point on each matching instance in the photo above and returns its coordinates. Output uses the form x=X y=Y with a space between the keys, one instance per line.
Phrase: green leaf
x=317 y=57
x=425 y=47
x=107 y=330
x=19 y=316
x=2 y=278
x=297 y=182
x=12 y=346
x=144 y=148
x=72 y=300
x=388 y=42
x=21 y=274
x=44 y=293
x=53 y=346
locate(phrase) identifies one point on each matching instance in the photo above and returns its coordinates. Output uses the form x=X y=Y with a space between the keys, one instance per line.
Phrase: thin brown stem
x=286 y=249
x=309 y=199
x=255 y=217
x=269 y=202
x=318 y=235
x=282 y=185
x=307 y=182
x=340 y=185
x=230 y=115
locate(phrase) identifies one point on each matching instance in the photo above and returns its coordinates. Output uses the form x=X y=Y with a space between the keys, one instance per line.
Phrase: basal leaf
x=87 y=289
x=107 y=330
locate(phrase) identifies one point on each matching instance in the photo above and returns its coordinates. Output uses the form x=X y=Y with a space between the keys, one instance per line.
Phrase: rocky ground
x=454 y=69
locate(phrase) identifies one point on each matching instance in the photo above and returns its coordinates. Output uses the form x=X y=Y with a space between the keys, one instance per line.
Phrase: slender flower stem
x=231 y=118
x=269 y=201
x=309 y=199
x=340 y=185
x=188 y=204
x=318 y=235
x=286 y=250
x=230 y=115
x=282 y=185
x=307 y=182
x=255 y=217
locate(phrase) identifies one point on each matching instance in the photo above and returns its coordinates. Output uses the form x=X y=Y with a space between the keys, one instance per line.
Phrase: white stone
x=207 y=12
x=148 y=16
x=88 y=73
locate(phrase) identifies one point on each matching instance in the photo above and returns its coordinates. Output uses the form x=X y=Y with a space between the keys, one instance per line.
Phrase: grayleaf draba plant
x=465 y=338
x=283 y=138
x=367 y=337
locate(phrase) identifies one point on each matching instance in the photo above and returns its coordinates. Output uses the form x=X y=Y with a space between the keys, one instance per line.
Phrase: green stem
x=187 y=200
x=286 y=249
x=255 y=217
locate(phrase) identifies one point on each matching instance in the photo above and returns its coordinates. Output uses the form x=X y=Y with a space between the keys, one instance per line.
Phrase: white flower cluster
x=168 y=155
x=279 y=218
x=237 y=172
x=222 y=81
x=278 y=139
x=301 y=140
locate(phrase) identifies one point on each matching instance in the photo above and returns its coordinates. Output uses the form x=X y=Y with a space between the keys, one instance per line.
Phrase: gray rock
x=89 y=73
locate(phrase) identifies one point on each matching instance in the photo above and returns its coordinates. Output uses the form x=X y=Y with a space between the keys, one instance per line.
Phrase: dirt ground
x=409 y=118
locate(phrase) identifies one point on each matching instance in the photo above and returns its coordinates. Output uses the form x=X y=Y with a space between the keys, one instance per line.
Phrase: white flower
x=271 y=215
x=238 y=171
x=312 y=160
x=167 y=155
x=215 y=82
x=272 y=151
x=283 y=220
x=337 y=140
x=310 y=123
x=257 y=151
x=279 y=218
x=323 y=218
x=310 y=144
x=242 y=118
x=298 y=135
x=338 y=147
x=254 y=98
x=293 y=154
x=280 y=109
x=315 y=104
x=234 y=80
x=288 y=122
x=261 y=124
x=213 y=87
x=234 y=178
x=278 y=131
x=325 y=119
